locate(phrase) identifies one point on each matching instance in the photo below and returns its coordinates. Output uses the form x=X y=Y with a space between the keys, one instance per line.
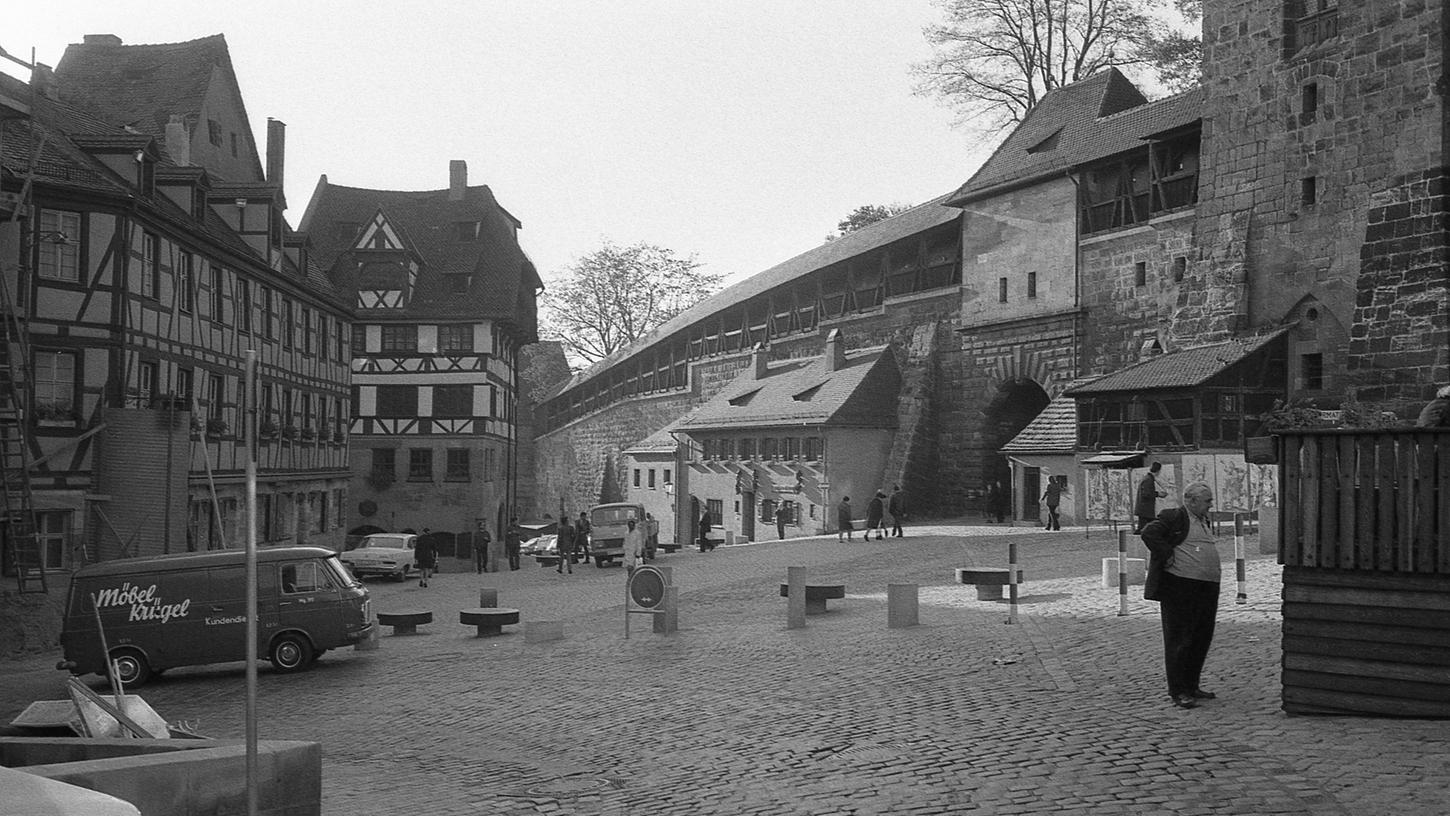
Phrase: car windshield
x=613 y=515
x=399 y=542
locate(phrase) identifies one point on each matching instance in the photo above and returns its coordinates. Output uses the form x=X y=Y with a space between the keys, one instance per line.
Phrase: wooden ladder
x=20 y=529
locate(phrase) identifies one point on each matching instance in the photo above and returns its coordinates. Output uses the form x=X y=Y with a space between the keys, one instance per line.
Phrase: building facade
x=143 y=277
x=443 y=298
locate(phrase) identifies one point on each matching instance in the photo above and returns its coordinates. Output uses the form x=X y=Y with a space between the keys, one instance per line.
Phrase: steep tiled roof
x=862 y=393
x=1093 y=119
x=918 y=219
x=1052 y=431
x=661 y=441
x=141 y=86
x=1179 y=369
x=47 y=147
x=503 y=278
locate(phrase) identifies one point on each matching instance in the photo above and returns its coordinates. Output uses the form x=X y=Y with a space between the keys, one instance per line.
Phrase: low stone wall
x=176 y=777
x=30 y=623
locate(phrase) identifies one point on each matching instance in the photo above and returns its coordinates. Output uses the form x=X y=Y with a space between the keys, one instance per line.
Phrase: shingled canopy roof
x=862 y=393
x=1077 y=124
x=1052 y=431
x=1188 y=368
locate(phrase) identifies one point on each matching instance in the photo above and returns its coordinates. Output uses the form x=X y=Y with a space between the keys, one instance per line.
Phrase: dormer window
x=456 y=284
x=214 y=132
x=465 y=230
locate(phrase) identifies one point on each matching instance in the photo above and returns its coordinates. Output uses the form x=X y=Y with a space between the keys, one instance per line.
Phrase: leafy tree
x=993 y=60
x=1175 y=55
x=865 y=215
x=616 y=294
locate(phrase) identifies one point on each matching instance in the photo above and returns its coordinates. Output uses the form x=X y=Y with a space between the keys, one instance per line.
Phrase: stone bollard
x=901 y=606
x=543 y=631
x=796 y=600
x=488 y=598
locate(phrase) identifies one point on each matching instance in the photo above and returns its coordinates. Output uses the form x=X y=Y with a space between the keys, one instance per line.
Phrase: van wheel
x=131 y=667
x=598 y=561
x=291 y=652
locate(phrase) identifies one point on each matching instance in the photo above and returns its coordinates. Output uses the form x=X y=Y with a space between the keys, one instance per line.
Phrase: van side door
x=221 y=636
x=309 y=598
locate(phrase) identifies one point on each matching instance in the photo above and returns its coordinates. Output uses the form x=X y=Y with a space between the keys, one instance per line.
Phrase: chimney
x=760 y=358
x=178 y=141
x=276 y=150
x=102 y=39
x=457 y=179
x=835 y=351
x=42 y=81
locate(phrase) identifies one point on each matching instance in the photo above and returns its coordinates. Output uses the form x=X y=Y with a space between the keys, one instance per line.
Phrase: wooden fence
x=1365 y=522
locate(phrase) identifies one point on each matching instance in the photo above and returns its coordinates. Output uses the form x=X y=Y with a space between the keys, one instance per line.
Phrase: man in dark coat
x=843 y=520
x=1053 y=497
x=512 y=541
x=875 y=512
x=897 y=508
x=1149 y=492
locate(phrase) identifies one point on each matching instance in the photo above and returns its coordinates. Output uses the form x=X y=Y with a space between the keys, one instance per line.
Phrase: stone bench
x=490 y=621
x=670 y=548
x=989 y=582
x=405 y=623
x=817 y=595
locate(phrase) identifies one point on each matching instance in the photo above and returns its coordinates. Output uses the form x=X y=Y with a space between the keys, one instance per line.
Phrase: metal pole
x=1239 y=566
x=1122 y=573
x=249 y=423
x=1012 y=570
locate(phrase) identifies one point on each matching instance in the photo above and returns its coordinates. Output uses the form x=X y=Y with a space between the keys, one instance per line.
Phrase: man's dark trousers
x=1189 y=609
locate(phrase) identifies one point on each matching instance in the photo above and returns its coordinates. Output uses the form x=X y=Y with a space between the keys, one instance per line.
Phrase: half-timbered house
x=140 y=277
x=443 y=297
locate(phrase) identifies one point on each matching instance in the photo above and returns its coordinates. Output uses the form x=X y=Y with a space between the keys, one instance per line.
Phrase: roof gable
x=1092 y=119
x=862 y=393
x=1187 y=368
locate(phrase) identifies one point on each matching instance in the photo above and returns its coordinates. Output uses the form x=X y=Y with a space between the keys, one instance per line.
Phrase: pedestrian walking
x=513 y=540
x=843 y=520
x=782 y=515
x=565 y=544
x=705 y=545
x=996 y=501
x=426 y=557
x=634 y=548
x=1052 y=497
x=1149 y=492
x=1184 y=573
x=651 y=536
x=583 y=537
x=897 y=508
x=875 y=513
x=480 y=548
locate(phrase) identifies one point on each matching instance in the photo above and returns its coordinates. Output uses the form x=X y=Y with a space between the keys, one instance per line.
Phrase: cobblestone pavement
x=1063 y=712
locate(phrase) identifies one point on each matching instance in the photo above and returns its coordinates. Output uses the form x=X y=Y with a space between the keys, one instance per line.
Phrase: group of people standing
x=488 y=558
x=877 y=510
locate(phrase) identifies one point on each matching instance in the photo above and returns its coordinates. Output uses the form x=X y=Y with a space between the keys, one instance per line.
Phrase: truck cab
x=609 y=523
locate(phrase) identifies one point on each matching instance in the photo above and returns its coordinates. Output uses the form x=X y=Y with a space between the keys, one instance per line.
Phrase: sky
x=739 y=132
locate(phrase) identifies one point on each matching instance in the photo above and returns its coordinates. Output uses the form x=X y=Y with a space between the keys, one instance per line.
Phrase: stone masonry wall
x=1306 y=157
x=1122 y=314
x=1400 y=342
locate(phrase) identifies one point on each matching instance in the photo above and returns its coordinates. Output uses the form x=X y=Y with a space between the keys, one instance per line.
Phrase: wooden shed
x=1365 y=516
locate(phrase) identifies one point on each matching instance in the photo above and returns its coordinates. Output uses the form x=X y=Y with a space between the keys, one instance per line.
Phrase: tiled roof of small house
x=918 y=219
x=502 y=278
x=1187 y=368
x=862 y=393
x=1088 y=120
x=1052 y=431
x=141 y=86
x=661 y=441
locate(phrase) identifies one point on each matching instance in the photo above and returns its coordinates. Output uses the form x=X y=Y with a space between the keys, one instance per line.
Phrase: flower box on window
x=309 y=434
x=216 y=426
x=55 y=413
x=289 y=432
x=269 y=429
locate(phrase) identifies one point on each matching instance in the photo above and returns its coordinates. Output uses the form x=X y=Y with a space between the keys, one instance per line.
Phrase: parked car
x=544 y=549
x=386 y=554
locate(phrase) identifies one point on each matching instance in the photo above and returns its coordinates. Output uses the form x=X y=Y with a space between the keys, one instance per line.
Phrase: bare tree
x=993 y=60
x=615 y=295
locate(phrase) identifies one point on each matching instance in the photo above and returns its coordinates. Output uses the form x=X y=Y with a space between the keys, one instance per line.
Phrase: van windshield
x=613 y=515
x=341 y=573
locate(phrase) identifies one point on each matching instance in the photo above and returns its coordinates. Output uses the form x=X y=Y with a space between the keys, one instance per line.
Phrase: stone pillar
x=901 y=606
x=796 y=601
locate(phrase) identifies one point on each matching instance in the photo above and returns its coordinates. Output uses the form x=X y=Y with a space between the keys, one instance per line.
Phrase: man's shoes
x=1185 y=701
x=1200 y=694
